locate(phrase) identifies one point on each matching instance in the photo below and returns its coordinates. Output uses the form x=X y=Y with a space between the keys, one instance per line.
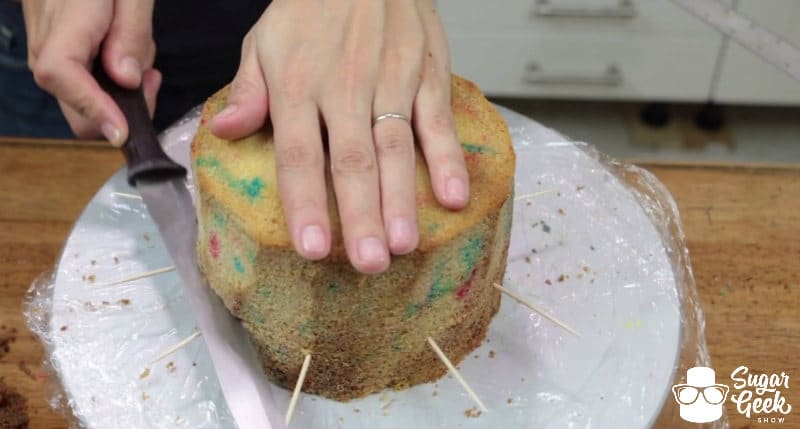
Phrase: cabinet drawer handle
x=624 y=9
x=612 y=76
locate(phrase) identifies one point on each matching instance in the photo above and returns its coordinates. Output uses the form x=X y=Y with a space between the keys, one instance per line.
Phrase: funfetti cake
x=366 y=333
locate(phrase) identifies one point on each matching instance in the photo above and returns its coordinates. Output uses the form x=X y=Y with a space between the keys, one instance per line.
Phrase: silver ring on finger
x=390 y=115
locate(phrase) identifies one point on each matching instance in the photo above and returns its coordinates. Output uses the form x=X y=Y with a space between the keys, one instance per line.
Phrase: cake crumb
x=171 y=366
x=548 y=282
x=13 y=408
x=435 y=393
x=509 y=401
x=491 y=354
x=580 y=188
x=561 y=278
x=6 y=339
x=356 y=410
x=528 y=259
x=146 y=237
x=91 y=278
x=63 y=328
x=94 y=262
x=23 y=366
x=116 y=260
x=561 y=212
x=473 y=413
x=124 y=301
x=145 y=396
x=476 y=356
x=195 y=364
x=144 y=374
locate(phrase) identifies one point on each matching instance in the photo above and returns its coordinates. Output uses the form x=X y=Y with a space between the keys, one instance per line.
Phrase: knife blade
x=161 y=183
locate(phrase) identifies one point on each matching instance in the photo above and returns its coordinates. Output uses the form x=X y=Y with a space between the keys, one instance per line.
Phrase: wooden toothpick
x=455 y=373
x=176 y=347
x=126 y=195
x=297 y=387
x=536 y=308
x=535 y=194
x=140 y=276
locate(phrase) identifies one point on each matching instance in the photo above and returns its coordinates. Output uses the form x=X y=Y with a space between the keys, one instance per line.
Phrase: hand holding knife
x=161 y=183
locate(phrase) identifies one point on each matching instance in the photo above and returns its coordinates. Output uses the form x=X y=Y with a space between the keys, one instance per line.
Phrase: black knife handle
x=145 y=157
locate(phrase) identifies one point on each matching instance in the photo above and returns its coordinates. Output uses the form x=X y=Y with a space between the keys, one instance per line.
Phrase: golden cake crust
x=366 y=333
x=251 y=193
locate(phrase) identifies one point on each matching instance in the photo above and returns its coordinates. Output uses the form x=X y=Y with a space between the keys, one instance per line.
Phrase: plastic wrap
x=596 y=242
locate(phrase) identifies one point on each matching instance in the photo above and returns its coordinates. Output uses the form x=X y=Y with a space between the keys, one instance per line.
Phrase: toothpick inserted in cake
x=455 y=373
x=297 y=387
x=140 y=276
x=126 y=195
x=534 y=194
x=176 y=347
x=537 y=309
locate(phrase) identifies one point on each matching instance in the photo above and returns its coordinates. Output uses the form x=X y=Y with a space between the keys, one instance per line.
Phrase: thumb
x=129 y=49
x=248 y=101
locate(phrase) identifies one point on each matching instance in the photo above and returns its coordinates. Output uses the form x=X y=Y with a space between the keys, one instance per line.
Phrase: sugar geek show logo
x=757 y=396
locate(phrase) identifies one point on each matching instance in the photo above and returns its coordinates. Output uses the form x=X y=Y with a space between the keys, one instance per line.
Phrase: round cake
x=365 y=333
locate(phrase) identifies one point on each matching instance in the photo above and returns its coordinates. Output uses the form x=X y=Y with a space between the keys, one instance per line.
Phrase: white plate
x=589 y=254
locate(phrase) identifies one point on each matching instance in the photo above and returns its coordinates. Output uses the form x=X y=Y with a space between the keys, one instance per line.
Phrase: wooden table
x=742 y=226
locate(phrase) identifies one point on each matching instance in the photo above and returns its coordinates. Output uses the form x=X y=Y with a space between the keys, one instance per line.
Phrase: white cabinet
x=581 y=67
x=744 y=77
x=613 y=49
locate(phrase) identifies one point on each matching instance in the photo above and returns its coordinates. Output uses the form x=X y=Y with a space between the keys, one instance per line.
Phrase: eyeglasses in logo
x=700 y=397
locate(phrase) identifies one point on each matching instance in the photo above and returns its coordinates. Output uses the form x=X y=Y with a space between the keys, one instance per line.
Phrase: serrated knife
x=162 y=184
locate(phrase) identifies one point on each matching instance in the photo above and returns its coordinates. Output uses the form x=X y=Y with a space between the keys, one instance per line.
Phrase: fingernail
x=455 y=190
x=313 y=240
x=112 y=134
x=227 y=111
x=130 y=67
x=372 y=250
x=400 y=232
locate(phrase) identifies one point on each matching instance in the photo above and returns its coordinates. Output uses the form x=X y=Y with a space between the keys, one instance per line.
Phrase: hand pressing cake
x=365 y=333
